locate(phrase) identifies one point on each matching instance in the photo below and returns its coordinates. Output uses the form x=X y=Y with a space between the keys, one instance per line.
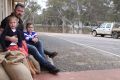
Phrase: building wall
x=1 y=10
x=5 y=8
x=9 y=5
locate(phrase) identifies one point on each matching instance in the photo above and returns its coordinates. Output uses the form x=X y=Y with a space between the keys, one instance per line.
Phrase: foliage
x=86 y=11
x=30 y=11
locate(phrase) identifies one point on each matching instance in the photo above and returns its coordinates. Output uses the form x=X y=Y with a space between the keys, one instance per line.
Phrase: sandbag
x=3 y=74
x=17 y=71
x=35 y=63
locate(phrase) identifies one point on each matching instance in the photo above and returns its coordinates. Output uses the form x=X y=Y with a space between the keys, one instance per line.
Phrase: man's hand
x=35 y=40
x=12 y=39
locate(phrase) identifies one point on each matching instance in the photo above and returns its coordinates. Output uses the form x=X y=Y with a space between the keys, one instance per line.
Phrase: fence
x=59 y=29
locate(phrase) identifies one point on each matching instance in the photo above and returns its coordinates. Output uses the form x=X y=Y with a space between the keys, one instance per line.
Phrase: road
x=79 y=52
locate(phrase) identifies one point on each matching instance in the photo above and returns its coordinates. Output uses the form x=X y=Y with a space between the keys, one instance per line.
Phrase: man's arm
x=4 y=23
x=3 y=43
x=19 y=36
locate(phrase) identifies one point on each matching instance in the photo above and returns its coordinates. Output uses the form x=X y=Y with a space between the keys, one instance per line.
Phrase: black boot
x=50 y=54
x=51 y=68
x=54 y=70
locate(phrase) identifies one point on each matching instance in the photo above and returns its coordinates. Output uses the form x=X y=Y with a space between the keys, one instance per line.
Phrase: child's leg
x=40 y=48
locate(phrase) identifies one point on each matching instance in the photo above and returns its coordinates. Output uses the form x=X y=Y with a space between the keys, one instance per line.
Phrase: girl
x=12 y=31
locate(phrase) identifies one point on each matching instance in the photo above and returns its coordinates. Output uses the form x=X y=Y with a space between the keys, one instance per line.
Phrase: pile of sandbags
x=3 y=74
x=19 y=70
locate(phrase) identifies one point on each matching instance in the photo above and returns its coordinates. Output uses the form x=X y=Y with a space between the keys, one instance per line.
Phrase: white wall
x=1 y=10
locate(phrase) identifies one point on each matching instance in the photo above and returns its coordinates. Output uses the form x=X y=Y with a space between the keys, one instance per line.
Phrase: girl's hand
x=12 y=39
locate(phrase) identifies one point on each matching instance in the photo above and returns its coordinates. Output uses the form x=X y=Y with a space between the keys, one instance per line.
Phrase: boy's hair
x=28 y=24
x=19 y=5
x=12 y=17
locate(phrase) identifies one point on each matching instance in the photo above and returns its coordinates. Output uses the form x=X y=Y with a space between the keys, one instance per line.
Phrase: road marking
x=87 y=46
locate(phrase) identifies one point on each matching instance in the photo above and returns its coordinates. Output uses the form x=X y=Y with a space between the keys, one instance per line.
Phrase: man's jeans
x=42 y=61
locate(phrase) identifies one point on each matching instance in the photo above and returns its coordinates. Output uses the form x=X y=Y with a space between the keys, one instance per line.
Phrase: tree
x=63 y=9
x=85 y=11
x=31 y=10
x=116 y=10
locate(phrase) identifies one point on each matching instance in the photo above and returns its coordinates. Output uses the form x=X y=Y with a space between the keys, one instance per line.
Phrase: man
x=18 y=12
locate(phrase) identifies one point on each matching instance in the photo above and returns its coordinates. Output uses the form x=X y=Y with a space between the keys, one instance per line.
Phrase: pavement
x=76 y=64
x=112 y=74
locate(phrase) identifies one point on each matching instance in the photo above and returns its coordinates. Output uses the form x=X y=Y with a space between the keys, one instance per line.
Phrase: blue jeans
x=42 y=61
x=40 y=48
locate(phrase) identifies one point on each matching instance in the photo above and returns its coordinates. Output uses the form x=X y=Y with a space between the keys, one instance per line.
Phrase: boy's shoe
x=54 y=71
x=50 y=54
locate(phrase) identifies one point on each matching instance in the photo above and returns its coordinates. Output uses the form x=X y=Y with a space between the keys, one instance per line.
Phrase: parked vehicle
x=107 y=28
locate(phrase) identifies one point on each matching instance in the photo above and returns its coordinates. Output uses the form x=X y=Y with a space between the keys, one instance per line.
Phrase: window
x=108 y=25
x=102 y=25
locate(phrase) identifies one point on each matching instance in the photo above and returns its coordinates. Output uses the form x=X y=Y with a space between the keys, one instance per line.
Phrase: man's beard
x=19 y=15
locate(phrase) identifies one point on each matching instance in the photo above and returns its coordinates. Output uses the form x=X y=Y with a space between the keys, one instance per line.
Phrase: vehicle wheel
x=102 y=35
x=115 y=35
x=94 y=33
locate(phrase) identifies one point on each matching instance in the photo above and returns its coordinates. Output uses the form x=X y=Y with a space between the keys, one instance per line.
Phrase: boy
x=32 y=39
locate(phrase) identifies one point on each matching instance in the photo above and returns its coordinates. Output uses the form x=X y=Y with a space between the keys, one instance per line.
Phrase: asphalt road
x=83 y=52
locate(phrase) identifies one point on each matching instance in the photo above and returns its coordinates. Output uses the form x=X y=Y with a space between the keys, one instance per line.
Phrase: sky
x=42 y=3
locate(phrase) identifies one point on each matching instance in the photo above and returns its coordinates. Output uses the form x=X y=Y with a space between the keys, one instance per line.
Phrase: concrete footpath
x=113 y=74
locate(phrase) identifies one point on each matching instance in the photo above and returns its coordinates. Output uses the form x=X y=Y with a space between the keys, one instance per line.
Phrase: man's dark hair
x=19 y=5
